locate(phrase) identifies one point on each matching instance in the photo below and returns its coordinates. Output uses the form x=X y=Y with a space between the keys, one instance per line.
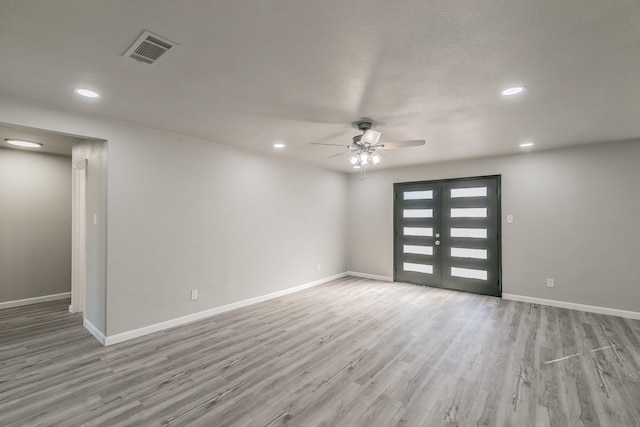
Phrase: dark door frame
x=498 y=178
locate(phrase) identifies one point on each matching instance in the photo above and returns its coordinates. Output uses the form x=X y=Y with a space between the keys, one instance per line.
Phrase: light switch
x=95 y=219
x=509 y=219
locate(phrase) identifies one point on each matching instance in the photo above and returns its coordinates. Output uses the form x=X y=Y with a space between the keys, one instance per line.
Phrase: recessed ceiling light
x=87 y=93
x=21 y=143
x=278 y=145
x=513 y=90
x=526 y=144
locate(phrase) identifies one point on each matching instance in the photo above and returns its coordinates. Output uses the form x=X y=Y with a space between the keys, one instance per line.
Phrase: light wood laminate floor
x=353 y=352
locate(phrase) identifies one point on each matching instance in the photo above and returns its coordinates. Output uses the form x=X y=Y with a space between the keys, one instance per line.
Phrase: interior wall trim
x=35 y=300
x=574 y=306
x=135 y=333
x=370 y=276
x=94 y=331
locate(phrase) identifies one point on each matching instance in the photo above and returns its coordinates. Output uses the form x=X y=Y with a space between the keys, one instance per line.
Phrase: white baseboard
x=94 y=331
x=574 y=306
x=370 y=276
x=135 y=333
x=35 y=300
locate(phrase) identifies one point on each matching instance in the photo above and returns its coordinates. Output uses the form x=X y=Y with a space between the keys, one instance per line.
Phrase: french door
x=447 y=234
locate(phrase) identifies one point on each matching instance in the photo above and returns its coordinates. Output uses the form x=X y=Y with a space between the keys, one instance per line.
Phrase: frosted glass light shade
x=370 y=137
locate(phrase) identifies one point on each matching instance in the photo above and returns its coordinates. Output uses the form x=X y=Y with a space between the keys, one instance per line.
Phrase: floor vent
x=149 y=47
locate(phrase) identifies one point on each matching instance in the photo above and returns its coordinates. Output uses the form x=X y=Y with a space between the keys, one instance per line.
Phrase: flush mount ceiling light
x=278 y=145
x=23 y=144
x=363 y=148
x=87 y=93
x=513 y=90
x=526 y=144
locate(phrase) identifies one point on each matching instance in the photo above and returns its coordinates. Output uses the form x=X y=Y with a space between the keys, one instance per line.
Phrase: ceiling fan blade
x=400 y=144
x=334 y=145
x=340 y=154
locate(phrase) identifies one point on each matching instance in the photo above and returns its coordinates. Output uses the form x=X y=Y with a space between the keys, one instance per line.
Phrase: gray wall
x=575 y=220
x=35 y=224
x=184 y=214
x=95 y=155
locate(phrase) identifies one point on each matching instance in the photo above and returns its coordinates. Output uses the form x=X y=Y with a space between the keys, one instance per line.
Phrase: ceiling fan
x=363 y=148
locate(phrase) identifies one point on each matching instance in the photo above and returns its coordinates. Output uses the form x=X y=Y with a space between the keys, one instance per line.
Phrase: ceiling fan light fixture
x=375 y=158
x=371 y=137
x=353 y=159
x=364 y=158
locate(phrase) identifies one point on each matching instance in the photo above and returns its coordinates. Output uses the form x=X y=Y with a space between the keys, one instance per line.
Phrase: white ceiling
x=251 y=73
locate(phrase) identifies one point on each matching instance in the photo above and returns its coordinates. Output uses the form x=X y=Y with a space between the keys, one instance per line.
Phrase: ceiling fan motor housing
x=364 y=126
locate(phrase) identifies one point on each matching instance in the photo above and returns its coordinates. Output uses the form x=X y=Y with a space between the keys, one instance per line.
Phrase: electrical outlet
x=194 y=295
x=551 y=283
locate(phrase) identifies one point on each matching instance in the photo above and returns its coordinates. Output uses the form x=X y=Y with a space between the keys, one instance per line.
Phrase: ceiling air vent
x=149 y=47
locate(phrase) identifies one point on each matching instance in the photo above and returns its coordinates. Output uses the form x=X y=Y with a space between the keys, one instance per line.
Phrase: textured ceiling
x=249 y=74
